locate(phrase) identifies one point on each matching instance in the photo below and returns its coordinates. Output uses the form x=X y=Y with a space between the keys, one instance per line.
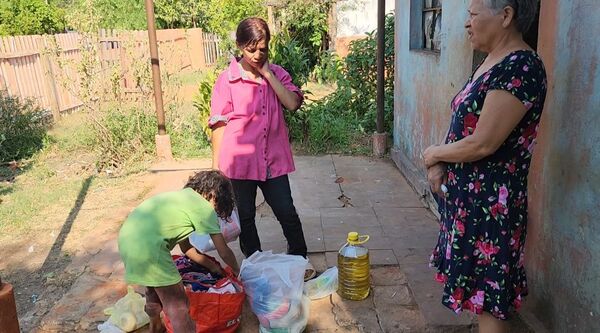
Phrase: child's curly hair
x=214 y=185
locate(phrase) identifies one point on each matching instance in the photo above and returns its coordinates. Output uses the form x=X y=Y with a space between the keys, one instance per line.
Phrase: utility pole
x=271 y=5
x=380 y=137
x=163 y=142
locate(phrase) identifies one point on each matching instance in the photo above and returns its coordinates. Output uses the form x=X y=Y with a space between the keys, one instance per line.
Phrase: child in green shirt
x=159 y=223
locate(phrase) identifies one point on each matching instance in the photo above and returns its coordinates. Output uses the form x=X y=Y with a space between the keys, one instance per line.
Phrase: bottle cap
x=354 y=238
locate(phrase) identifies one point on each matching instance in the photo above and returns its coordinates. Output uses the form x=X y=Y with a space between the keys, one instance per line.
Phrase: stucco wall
x=563 y=244
x=425 y=84
x=357 y=17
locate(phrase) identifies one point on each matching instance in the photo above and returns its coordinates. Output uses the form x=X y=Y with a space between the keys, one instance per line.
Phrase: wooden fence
x=30 y=65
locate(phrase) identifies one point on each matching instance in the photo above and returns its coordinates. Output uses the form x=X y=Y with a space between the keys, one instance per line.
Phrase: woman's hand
x=289 y=99
x=429 y=156
x=436 y=175
x=265 y=70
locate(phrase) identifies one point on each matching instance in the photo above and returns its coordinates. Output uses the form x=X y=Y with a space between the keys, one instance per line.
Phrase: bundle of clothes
x=199 y=279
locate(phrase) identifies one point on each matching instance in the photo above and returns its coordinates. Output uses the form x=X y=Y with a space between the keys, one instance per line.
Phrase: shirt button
x=265 y=129
x=263 y=113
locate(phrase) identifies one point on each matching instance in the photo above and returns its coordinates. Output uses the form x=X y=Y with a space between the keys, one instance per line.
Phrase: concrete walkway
x=333 y=195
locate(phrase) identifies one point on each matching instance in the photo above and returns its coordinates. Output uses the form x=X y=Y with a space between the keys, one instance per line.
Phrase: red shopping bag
x=212 y=312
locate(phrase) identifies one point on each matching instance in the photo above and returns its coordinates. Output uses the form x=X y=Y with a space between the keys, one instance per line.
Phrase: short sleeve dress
x=479 y=255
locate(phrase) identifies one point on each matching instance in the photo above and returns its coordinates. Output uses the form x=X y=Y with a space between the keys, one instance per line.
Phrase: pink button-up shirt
x=255 y=143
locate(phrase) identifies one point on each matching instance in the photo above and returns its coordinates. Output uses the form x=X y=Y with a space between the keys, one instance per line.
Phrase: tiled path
x=333 y=195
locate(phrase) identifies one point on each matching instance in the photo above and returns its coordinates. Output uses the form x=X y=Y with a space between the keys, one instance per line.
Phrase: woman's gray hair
x=525 y=10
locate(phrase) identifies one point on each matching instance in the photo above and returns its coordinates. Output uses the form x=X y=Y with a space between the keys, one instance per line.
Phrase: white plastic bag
x=230 y=230
x=274 y=283
x=127 y=314
x=324 y=285
x=108 y=327
x=293 y=323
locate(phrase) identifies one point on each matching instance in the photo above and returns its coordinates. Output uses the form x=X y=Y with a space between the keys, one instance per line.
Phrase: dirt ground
x=43 y=262
x=43 y=259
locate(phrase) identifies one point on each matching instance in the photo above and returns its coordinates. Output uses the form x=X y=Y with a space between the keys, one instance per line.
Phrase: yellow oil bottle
x=354 y=279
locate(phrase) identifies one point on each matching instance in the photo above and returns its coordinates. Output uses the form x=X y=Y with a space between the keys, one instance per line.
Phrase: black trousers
x=278 y=195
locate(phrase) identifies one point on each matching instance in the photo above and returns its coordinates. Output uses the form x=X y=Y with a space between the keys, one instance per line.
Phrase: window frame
x=418 y=12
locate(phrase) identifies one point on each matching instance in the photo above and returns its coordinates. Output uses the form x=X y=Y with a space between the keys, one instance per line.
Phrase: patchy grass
x=190 y=77
x=50 y=180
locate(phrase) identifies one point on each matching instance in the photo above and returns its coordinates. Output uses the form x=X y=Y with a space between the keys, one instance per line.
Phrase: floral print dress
x=479 y=255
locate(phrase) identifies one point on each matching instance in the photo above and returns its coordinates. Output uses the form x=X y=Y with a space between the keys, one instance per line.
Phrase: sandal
x=310 y=272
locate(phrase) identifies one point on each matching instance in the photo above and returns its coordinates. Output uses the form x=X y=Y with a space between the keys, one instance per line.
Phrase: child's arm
x=225 y=252
x=199 y=258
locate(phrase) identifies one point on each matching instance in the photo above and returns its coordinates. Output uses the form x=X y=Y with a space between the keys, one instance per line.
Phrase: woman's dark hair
x=214 y=185
x=251 y=31
x=525 y=11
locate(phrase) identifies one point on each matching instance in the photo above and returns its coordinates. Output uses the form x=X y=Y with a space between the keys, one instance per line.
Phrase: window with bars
x=432 y=25
x=426 y=25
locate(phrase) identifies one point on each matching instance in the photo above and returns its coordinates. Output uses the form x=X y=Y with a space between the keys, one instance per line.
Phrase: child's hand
x=225 y=252
x=216 y=269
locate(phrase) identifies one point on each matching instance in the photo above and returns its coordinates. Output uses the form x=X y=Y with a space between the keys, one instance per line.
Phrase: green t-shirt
x=153 y=229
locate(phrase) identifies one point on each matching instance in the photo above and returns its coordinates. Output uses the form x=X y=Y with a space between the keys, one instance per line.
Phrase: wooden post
x=271 y=18
x=332 y=23
x=163 y=142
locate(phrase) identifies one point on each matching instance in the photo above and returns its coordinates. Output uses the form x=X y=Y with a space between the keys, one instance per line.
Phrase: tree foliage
x=108 y=14
x=20 y=17
x=224 y=15
x=306 y=21
x=30 y=17
x=122 y=14
x=181 y=13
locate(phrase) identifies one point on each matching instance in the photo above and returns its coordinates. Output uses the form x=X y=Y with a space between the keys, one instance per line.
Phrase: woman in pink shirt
x=250 y=138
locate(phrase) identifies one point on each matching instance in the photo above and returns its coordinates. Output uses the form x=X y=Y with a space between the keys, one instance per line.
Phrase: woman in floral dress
x=480 y=172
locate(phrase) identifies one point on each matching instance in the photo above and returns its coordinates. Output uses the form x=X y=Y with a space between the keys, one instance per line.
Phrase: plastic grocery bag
x=108 y=327
x=274 y=284
x=215 y=312
x=230 y=230
x=324 y=285
x=128 y=313
x=293 y=322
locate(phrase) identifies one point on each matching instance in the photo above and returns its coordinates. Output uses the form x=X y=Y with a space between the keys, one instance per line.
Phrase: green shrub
x=188 y=136
x=361 y=76
x=202 y=102
x=341 y=121
x=329 y=123
x=124 y=136
x=329 y=69
x=23 y=128
x=306 y=22
x=289 y=54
